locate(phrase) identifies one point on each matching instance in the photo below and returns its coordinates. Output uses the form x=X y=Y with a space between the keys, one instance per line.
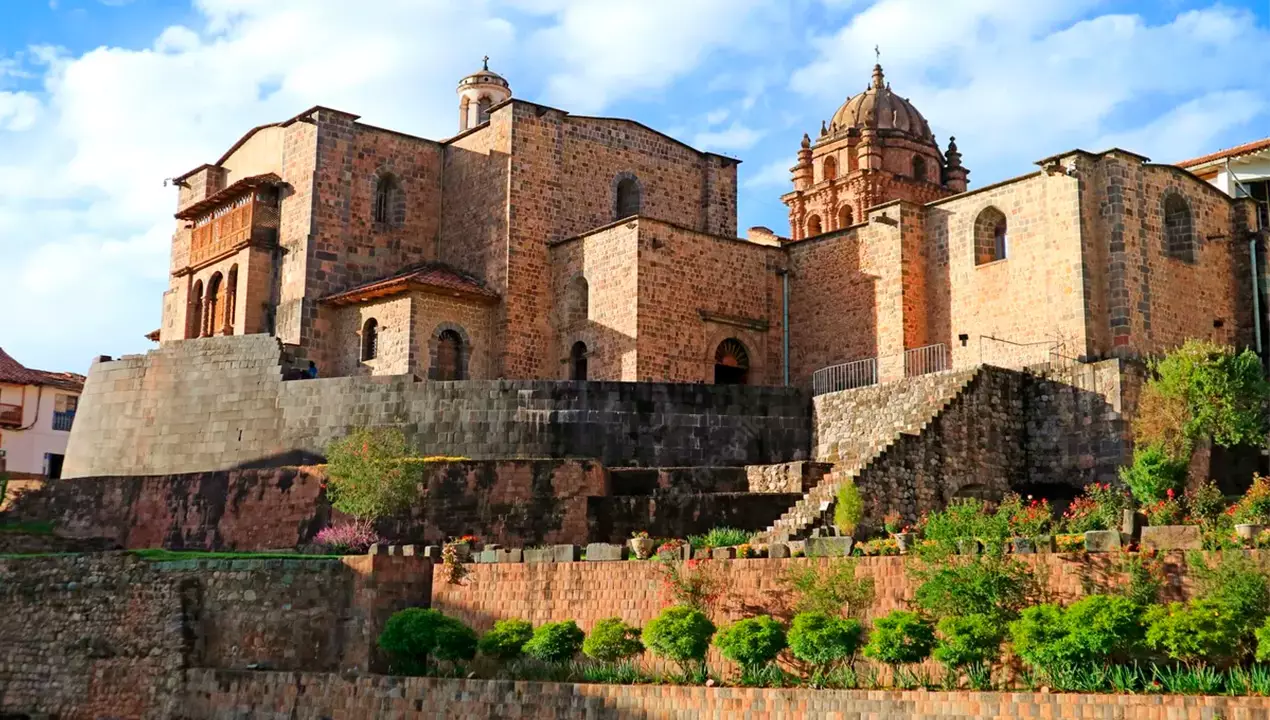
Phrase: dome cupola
x=479 y=92
x=878 y=108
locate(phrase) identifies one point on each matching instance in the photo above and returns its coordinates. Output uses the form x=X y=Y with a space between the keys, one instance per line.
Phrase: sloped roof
x=12 y=371
x=1236 y=151
x=433 y=277
x=227 y=194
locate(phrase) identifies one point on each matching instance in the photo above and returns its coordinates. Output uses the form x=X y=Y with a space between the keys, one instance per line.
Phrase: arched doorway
x=449 y=356
x=731 y=363
x=213 y=320
x=577 y=361
x=194 y=312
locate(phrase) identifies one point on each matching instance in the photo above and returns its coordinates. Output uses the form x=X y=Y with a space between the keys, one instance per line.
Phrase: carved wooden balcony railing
x=242 y=213
x=222 y=234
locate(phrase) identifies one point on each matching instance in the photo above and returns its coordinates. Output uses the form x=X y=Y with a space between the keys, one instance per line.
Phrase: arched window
x=627 y=199
x=483 y=106
x=194 y=312
x=844 y=216
x=990 y=236
x=577 y=361
x=214 y=318
x=449 y=362
x=231 y=299
x=1179 y=235
x=830 y=169
x=578 y=301
x=813 y=226
x=731 y=363
x=370 y=340
x=919 y=168
x=387 y=193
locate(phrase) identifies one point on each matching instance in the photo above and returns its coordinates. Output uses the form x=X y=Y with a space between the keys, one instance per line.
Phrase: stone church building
x=536 y=244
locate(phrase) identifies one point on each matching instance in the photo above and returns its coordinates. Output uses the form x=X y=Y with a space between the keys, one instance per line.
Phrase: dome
x=484 y=76
x=879 y=108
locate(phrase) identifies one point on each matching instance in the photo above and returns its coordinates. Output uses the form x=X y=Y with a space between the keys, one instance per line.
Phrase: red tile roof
x=14 y=372
x=432 y=277
x=1246 y=148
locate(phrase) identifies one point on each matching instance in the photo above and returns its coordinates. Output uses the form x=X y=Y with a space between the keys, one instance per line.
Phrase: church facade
x=540 y=244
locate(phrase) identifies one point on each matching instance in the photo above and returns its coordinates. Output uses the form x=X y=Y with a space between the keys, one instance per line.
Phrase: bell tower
x=479 y=92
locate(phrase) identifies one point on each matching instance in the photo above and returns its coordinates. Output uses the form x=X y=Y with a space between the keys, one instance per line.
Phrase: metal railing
x=854 y=374
x=1010 y=354
x=63 y=420
x=926 y=360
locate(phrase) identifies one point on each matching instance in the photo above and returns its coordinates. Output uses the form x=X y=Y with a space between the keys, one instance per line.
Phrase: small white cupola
x=479 y=92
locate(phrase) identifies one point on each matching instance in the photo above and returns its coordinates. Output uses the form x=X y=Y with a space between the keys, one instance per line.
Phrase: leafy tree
x=1203 y=390
x=900 y=638
x=369 y=475
x=968 y=640
x=555 y=642
x=824 y=639
x=752 y=642
x=612 y=640
x=681 y=634
x=506 y=640
x=829 y=588
x=849 y=508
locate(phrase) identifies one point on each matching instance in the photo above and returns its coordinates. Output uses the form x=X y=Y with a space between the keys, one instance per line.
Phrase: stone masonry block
x=829 y=546
x=605 y=552
x=1171 y=537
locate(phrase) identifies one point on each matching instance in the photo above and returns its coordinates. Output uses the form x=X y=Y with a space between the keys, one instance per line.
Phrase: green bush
x=829 y=588
x=1098 y=509
x=968 y=640
x=1039 y=637
x=1254 y=507
x=369 y=475
x=1239 y=586
x=1153 y=474
x=994 y=585
x=1201 y=631
x=720 y=537
x=612 y=640
x=1102 y=628
x=963 y=519
x=752 y=642
x=1205 y=502
x=506 y=640
x=555 y=642
x=681 y=634
x=1263 y=642
x=848 y=510
x=824 y=639
x=900 y=638
x=412 y=636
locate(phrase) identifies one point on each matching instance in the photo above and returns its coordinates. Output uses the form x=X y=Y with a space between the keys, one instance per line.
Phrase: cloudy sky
x=100 y=100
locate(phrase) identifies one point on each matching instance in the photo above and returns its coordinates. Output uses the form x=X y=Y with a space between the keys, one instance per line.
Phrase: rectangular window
x=66 y=403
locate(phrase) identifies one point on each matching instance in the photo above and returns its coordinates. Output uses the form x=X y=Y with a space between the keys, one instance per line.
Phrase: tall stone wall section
x=220 y=403
x=111 y=635
x=225 y=695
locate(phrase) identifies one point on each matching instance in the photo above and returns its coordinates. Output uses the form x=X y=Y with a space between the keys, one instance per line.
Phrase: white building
x=1240 y=171
x=36 y=412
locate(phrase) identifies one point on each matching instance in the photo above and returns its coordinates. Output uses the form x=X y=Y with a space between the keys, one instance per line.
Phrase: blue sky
x=100 y=100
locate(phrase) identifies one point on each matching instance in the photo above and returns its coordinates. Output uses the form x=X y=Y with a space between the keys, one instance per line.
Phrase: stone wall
x=678 y=516
x=225 y=695
x=795 y=477
x=110 y=635
x=220 y=403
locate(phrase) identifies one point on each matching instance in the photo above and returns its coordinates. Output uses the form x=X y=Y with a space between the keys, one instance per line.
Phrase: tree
x=369 y=474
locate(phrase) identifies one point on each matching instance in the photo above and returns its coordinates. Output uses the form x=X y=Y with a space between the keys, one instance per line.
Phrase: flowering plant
x=469 y=539
x=1031 y=519
x=744 y=550
x=892 y=522
x=1069 y=543
x=880 y=547
x=1166 y=512
x=639 y=534
x=454 y=570
x=348 y=538
x=695 y=584
x=1254 y=507
x=1098 y=509
x=671 y=545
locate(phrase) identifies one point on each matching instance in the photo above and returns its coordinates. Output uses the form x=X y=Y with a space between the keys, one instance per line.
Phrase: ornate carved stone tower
x=479 y=92
x=876 y=148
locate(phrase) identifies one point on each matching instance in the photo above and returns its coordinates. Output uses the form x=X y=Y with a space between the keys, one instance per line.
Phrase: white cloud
x=714 y=117
x=734 y=137
x=771 y=175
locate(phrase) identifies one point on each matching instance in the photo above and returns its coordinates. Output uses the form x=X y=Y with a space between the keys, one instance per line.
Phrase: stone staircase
x=854 y=428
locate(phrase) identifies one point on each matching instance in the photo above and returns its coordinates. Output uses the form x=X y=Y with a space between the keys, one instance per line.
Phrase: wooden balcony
x=221 y=234
x=10 y=415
